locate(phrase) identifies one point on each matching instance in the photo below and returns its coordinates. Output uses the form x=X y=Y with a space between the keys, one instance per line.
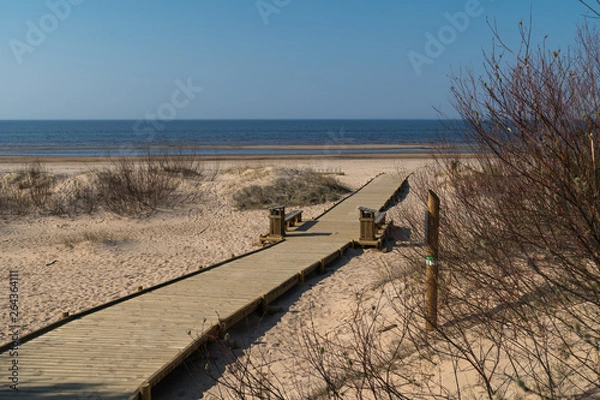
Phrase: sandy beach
x=72 y=264
x=267 y=200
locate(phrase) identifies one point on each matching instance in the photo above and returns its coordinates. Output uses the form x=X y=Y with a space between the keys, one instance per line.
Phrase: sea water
x=220 y=137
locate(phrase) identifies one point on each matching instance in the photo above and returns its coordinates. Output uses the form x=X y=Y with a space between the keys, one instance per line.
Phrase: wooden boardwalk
x=121 y=351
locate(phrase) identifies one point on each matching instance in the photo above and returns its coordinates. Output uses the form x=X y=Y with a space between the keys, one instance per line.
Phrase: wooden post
x=432 y=272
x=592 y=147
x=265 y=304
x=146 y=391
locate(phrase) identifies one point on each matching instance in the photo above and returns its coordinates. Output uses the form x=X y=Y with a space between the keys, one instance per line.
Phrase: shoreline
x=342 y=152
x=343 y=146
x=227 y=157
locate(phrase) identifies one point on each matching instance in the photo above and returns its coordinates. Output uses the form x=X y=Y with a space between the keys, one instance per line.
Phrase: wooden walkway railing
x=122 y=349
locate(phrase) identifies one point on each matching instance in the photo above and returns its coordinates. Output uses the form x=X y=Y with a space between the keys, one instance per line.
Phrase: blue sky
x=129 y=59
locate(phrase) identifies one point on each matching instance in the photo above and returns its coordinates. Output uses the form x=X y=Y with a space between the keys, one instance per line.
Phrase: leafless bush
x=13 y=201
x=295 y=188
x=26 y=190
x=520 y=238
x=136 y=188
x=360 y=359
x=126 y=187
x=38 y=182
x=182 y=162
x=140 y=187
x=75 y=196
x=35 y=190
x=519 y=251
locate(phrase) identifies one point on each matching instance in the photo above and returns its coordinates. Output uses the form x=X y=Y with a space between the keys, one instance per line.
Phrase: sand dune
x=73 y=264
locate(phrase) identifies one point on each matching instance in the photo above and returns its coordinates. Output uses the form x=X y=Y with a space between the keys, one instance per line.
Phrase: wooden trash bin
x=367 y=223
x=277 y=221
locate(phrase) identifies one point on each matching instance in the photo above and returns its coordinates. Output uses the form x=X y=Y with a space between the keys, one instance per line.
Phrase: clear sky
x=125 y=59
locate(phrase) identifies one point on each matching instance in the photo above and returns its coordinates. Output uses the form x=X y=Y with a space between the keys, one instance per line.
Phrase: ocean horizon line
x=222 y=119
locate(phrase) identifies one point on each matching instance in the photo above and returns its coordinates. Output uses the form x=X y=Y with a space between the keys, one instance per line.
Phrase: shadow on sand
x=191 y=380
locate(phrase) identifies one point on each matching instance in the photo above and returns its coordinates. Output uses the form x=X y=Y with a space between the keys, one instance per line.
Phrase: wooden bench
x=379 y=219
x=292 y=218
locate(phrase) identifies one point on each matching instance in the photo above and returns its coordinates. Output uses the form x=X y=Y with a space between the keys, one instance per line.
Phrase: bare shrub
x=126 y=187
x=26 y=190
x=38 y=182
x=135 y=188
x=295 y=188
x=34 y=190
x=362 y=358
x=519 y=252
x=75 y=196
x=140 y=187
x=181 y=163
x=13 y=201
x=520 y=242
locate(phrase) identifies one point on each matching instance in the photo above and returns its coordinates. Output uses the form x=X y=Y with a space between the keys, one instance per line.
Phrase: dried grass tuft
x=292 y=188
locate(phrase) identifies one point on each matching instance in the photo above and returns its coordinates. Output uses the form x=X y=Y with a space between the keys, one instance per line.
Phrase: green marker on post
x=431 y=261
